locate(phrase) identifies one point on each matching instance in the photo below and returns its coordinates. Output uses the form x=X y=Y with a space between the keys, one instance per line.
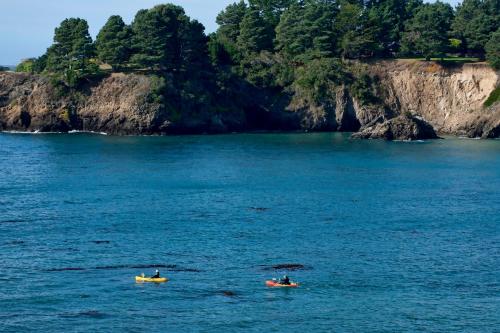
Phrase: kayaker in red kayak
x=285 y=280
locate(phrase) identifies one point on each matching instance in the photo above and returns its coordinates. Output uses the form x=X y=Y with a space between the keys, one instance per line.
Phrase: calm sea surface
x=393 y=236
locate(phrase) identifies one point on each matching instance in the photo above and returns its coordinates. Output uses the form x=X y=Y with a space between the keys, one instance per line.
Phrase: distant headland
x=384 y=69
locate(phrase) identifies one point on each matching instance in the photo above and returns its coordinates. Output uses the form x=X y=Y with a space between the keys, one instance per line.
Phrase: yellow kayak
x=147 y=279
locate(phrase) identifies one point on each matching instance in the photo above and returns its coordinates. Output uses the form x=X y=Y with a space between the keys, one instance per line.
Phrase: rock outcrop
x=415 y=100
x=337 y=112
x=403 y=127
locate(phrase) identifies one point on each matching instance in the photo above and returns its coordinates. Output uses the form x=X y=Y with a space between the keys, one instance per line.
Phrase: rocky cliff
x=118 y=104
x=449 y=98
x=414 y=101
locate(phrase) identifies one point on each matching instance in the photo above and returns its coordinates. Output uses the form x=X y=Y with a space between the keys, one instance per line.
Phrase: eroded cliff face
x=449 y=98
x=120 y=104
x=411 y=96
x=29 y=102
x=117 y=105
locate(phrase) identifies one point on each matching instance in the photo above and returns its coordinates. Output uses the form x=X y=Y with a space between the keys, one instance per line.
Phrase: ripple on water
x=382 y=237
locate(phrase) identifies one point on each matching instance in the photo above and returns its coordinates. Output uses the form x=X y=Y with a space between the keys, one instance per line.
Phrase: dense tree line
x=270 y=42
x=358 y=29
x=307 y=45
x=162 y=39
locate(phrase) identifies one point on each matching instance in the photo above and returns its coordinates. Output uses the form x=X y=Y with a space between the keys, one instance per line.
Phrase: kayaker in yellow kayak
x=157 y=275
x=155 y=278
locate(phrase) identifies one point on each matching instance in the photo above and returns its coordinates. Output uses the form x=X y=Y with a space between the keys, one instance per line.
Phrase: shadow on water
x=289 y=267
x=101 y=241
x=227 y=293
x=173 y=268
x=14 y=242
x=89 y=314
x=259 y=209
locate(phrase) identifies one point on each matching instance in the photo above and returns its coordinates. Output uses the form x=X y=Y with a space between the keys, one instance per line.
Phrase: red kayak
x=276 y=284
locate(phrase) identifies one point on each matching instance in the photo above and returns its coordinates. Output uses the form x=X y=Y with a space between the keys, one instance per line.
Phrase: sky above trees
x=27 y=26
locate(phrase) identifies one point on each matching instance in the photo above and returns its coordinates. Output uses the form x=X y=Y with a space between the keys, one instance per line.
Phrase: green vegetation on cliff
x=493 y=49
x=493 y=98
x=266 y=52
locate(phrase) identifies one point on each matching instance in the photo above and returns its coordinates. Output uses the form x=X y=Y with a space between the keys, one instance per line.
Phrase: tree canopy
x=26 y=66
x=474 y=23
x=427 y=32
x=71 y=52
x=166 y=39
x=113 y=43
x=493 y=50
x=156 y=39
x=269 y=43
x=255 y=34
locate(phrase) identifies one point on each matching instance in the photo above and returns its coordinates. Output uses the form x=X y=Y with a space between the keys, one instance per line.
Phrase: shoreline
x=73 y=132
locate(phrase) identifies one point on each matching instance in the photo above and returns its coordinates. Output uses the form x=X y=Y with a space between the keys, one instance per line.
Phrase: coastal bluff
x=420 y=99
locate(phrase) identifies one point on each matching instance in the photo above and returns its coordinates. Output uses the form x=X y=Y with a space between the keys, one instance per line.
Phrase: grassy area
x=494 y=97
x=447 y=59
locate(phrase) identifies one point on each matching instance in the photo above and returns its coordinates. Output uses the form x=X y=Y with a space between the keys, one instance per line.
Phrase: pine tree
x=291 y=33
x=113 y=43
x=155 y=38
x=475 y=21
x=356 y=32
x=193 y=47
x=493 y=50
x=320 y=17
x=72 y=49
x=272 y=9
x=389 y=16
x=306 y=30
x=229 y=21
x=223 y=44
x=427 y=33
x=255 y=34
x=361 y=42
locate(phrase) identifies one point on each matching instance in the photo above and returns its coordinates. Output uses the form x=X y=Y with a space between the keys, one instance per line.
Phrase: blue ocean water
x=393 y=236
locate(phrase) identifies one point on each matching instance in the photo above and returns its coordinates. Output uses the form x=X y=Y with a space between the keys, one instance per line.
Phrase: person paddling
x=157 y=275
x=285 y=280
